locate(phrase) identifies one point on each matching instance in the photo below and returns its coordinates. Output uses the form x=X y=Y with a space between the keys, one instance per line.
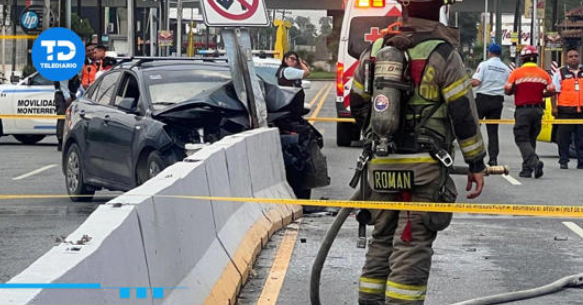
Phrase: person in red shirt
x=530 y=85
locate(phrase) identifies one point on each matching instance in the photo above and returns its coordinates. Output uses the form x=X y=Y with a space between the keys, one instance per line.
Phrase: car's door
x=33 y=96
x=97 y=142
x=123 y=127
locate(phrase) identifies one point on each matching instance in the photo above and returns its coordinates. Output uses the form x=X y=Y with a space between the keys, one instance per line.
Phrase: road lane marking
x=34 y=172
x=511 y=180
x=274 y=281
x=574 y=227
x=320 y=104
x=315 y=99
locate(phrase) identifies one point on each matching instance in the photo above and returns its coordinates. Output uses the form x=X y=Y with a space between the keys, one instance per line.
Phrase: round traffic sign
x=224 y=8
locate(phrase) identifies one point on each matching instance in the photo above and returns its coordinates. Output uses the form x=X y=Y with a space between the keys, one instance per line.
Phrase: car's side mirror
x=128 y=104
x=29 y=81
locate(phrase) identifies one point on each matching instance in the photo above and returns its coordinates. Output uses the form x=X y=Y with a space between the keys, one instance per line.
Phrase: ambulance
x=363 y=23
x=31 y=96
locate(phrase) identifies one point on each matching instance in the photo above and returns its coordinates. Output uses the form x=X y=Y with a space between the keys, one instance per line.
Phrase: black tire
x=151 y=167
x=76 y=187
x=29 y=139
x=346 y=133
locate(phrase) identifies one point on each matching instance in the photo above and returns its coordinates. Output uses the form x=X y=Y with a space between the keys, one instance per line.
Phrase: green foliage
x=468 y=25
x=307 y=56
x=81 y=27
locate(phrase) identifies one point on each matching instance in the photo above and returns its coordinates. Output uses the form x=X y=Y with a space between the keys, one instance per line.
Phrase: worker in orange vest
x=90 y=68
x=569 y=83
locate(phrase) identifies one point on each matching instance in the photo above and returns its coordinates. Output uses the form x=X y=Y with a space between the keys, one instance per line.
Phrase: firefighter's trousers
x=396 y=271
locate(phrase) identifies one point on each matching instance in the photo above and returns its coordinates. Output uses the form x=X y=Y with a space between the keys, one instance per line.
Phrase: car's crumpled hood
x=224 y=99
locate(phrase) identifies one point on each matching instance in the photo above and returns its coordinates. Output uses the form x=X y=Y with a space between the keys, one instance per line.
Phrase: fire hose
x=332 y=233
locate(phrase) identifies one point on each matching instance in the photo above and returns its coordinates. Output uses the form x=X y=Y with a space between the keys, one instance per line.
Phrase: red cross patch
x=375 y=33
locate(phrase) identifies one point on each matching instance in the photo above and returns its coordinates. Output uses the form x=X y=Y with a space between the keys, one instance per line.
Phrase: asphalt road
x=478 y=255
x=29 y=228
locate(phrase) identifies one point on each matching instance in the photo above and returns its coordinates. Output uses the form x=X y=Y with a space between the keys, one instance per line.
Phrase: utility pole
x=79 y=8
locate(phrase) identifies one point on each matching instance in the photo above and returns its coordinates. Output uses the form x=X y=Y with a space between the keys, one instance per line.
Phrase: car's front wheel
x=76 y=187
x=29 y=139
x=150 y=167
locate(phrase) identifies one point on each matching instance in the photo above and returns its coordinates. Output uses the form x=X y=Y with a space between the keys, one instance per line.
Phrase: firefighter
x=437 y=108
x=529 y=84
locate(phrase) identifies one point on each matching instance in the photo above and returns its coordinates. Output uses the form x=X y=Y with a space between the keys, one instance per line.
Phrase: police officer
x=64 y=96
x=529 y=84
x=569 y=84
x=439 y=109
x=490 y=78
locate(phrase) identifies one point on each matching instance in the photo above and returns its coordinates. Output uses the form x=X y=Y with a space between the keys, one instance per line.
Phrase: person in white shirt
x=292 y=70
x=489 y=81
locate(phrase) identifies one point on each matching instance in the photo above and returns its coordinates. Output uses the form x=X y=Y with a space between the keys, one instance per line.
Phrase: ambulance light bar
x=370 y=3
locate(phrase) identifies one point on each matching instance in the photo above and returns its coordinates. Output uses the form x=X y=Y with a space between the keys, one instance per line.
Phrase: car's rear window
x=364 y=31
x=169 y=87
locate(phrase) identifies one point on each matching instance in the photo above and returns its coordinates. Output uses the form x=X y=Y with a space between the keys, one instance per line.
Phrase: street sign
x=31 y=19
x=235 y=13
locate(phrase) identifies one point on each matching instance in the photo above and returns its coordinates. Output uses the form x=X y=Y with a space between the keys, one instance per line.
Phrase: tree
x=325 y=26
x=468 y=24
x=82 y=27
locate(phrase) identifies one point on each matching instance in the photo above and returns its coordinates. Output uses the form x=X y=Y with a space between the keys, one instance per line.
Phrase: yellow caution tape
x=18 y=37
x=31 y=116
x=468 y=208
x=488 y=122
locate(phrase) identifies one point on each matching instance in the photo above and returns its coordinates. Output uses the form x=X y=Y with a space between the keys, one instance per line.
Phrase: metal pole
x=534 y=25
x=79 y=8
x=498 y=22
x=131 y=28
x=46 y=14
x=4 y=13
x=99 y=21
x=167 y=24
x=179 y=28
x=14 y=42
x=68 y=13
x=485 y=28
x=152 y=32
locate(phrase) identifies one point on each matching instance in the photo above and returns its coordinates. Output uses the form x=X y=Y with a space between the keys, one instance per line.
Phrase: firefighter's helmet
x=529 y=51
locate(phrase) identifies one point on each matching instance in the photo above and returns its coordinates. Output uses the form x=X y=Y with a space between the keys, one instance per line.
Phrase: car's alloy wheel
x=73 y=172
x=76 y=187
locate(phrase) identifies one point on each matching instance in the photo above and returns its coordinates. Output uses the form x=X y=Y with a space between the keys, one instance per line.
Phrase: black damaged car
x=141 y=117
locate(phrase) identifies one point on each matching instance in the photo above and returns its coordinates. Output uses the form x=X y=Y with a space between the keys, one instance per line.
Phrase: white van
x=362 y=25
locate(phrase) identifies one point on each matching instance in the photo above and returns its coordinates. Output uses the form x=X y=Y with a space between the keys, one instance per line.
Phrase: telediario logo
x=58 y=54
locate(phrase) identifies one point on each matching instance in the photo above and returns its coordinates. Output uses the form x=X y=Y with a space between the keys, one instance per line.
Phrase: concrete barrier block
x=114 y=257
x=178 y=233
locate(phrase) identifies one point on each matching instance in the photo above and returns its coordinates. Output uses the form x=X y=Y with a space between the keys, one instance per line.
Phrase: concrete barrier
x=202 y=251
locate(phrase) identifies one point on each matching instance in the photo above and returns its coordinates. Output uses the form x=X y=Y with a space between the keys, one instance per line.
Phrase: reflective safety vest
x=88 y=76
x=571 y=86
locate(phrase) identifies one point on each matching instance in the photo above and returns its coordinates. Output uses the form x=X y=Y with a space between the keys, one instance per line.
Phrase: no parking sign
x=235 y=13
